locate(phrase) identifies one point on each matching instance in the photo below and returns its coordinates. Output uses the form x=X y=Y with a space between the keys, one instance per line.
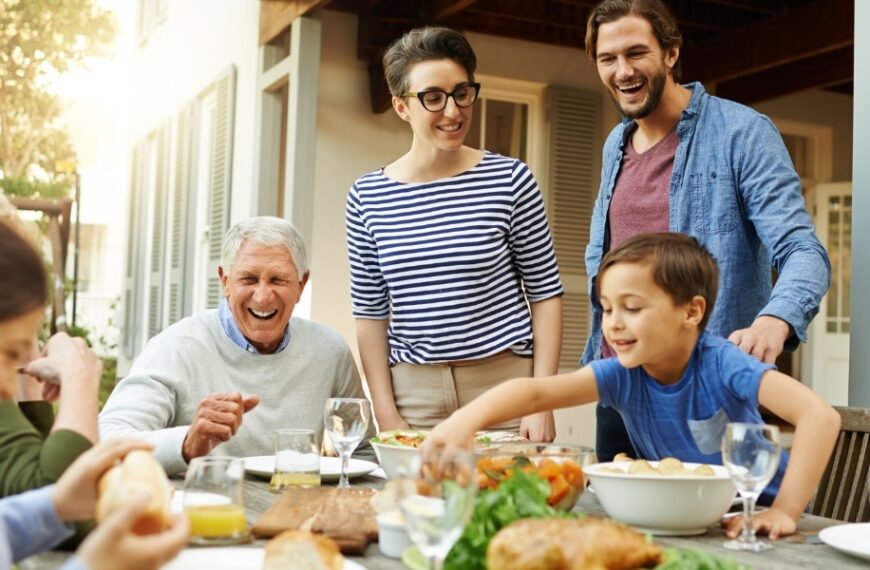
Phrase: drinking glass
x=751 y=453
x=213 y=501
x=437 y=499
x=297 y=461
x=346 y=421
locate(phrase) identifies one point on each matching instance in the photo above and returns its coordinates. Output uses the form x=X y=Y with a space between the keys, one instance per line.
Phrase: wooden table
x=797 y=551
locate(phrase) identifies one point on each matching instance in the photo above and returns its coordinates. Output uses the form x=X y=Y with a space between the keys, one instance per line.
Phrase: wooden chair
x=844 y=492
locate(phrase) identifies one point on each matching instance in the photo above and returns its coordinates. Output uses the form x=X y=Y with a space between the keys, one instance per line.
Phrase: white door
x=829 y=332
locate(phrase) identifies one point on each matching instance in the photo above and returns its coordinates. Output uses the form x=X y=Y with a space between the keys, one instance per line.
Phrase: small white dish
x=330 y=467
x=852 y=538
x=392 y=537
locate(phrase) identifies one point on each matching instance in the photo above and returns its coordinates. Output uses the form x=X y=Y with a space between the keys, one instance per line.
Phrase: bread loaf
x=137 y=472
x=302 y=550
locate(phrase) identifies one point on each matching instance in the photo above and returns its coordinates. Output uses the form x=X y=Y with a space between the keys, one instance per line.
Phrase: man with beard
x=682 y=160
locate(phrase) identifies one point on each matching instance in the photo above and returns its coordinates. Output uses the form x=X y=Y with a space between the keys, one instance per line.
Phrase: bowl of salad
x=395 y=449
x=559 y=466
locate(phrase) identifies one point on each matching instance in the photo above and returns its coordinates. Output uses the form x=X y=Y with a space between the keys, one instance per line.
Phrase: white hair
x=266 y=230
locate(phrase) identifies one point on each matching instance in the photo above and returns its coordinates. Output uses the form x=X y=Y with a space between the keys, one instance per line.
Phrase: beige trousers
x=425 y=394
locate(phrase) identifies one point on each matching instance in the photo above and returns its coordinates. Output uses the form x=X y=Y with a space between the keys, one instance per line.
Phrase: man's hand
x=764 y=340
x=75 y=494
x=113 y=546
x=774 y=522
x=217 y=420
x=539 y=427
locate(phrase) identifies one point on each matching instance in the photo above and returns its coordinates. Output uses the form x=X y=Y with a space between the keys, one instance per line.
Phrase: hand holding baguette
x=138 y=474
x=116 y=543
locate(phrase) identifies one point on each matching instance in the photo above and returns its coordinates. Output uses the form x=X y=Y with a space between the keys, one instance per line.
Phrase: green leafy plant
x=524 y=495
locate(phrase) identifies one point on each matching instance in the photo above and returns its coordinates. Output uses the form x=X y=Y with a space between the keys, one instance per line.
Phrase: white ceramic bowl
x=393 y=457
x=392 y=537
x=663 y=504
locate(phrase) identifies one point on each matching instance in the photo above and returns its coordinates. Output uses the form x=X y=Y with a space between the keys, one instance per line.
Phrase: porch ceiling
x=751 y=50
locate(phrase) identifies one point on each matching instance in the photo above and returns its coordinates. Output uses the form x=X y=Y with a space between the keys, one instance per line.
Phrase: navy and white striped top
x=448 y=261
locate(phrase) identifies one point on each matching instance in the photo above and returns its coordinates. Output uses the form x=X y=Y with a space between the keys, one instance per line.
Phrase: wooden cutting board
x=345 y=515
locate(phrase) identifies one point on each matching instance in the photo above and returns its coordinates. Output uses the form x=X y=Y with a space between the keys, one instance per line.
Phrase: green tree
x=39 y=41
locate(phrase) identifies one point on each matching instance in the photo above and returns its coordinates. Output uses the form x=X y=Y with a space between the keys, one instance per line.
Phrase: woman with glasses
x=454 y=280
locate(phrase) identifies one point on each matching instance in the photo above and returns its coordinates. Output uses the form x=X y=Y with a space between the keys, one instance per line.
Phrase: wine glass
x=751 y=454
x=346 y=421
x=437 y=500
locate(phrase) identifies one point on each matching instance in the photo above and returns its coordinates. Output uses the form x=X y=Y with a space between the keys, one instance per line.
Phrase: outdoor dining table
x=801 y=550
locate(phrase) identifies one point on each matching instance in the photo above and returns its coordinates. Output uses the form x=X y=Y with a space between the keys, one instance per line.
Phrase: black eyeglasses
x=435 y=100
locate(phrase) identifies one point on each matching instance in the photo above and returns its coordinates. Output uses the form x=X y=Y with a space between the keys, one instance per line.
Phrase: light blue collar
x=228 y=324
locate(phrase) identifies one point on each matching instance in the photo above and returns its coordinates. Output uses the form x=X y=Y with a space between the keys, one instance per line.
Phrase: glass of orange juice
x=213 y=501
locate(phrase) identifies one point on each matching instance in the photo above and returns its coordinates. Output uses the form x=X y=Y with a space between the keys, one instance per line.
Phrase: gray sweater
x=158 y=400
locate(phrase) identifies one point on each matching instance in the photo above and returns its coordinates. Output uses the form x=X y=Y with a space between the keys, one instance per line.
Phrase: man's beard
x=656 y=89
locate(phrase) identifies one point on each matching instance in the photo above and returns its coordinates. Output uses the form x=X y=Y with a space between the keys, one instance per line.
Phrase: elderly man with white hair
x=189 y=389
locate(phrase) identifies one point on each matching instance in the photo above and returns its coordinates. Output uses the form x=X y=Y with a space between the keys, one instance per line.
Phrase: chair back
x=844 y=492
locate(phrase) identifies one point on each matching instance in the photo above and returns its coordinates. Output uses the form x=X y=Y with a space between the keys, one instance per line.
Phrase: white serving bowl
x=663 y=504
x=392 y=456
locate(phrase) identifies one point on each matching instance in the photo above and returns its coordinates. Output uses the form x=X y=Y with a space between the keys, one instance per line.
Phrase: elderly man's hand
x=764 y=340
x=217 y=420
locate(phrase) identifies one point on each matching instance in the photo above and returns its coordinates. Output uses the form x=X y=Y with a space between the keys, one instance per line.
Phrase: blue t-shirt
x=686 y=420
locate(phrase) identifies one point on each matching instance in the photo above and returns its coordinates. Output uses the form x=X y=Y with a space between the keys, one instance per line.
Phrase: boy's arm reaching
x=817 y=425
x=512 y=399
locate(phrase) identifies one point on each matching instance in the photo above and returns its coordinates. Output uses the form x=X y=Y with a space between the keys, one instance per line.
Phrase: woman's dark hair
x=660 y=18
x=23 y=283
x=681 y=266
x=425 y=44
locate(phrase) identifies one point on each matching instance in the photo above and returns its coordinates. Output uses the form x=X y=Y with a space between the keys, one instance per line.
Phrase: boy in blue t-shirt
x=675 y=386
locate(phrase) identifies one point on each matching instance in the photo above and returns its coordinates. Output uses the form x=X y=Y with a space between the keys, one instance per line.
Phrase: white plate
x=330 y=467
x=849 y=538
x=229 y=558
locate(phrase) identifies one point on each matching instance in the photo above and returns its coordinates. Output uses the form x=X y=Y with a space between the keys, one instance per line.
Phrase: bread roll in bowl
x=137 y=472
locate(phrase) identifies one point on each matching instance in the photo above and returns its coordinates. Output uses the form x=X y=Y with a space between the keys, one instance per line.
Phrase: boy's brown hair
x=682 y=267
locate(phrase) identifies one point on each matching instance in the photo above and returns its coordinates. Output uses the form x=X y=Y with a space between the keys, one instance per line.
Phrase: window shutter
x=575 y=150
x=220 y=178
x=158 y=233
x=180 y=201
x=132 y=305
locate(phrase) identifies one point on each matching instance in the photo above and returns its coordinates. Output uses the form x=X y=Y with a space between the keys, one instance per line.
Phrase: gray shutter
x=178 y=234
x=133 y=294
x=158 y=233
x=575 y=150
x=220 y=178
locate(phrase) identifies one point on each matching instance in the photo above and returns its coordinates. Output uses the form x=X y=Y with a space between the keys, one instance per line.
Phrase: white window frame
x=531 y=94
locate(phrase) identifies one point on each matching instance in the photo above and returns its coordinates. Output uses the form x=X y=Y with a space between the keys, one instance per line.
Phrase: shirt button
x=713 y=174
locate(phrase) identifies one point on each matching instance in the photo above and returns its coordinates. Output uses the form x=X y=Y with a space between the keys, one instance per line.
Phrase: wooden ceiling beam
x=542 y=32
x=810 y=30
x=276 y=15
x=828 y=69
x=748 y=5
x=445 y=8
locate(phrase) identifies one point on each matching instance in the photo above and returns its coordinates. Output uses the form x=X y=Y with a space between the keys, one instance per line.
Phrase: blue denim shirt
x=734 y=188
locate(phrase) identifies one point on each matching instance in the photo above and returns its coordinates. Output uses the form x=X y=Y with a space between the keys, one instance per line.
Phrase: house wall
x=859 y=356
x=182 y=56
x=820 y=108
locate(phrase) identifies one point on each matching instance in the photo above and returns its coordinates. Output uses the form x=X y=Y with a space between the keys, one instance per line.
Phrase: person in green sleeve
x=35 y=446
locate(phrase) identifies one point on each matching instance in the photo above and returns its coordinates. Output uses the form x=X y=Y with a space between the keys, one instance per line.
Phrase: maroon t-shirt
x=640 y=196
